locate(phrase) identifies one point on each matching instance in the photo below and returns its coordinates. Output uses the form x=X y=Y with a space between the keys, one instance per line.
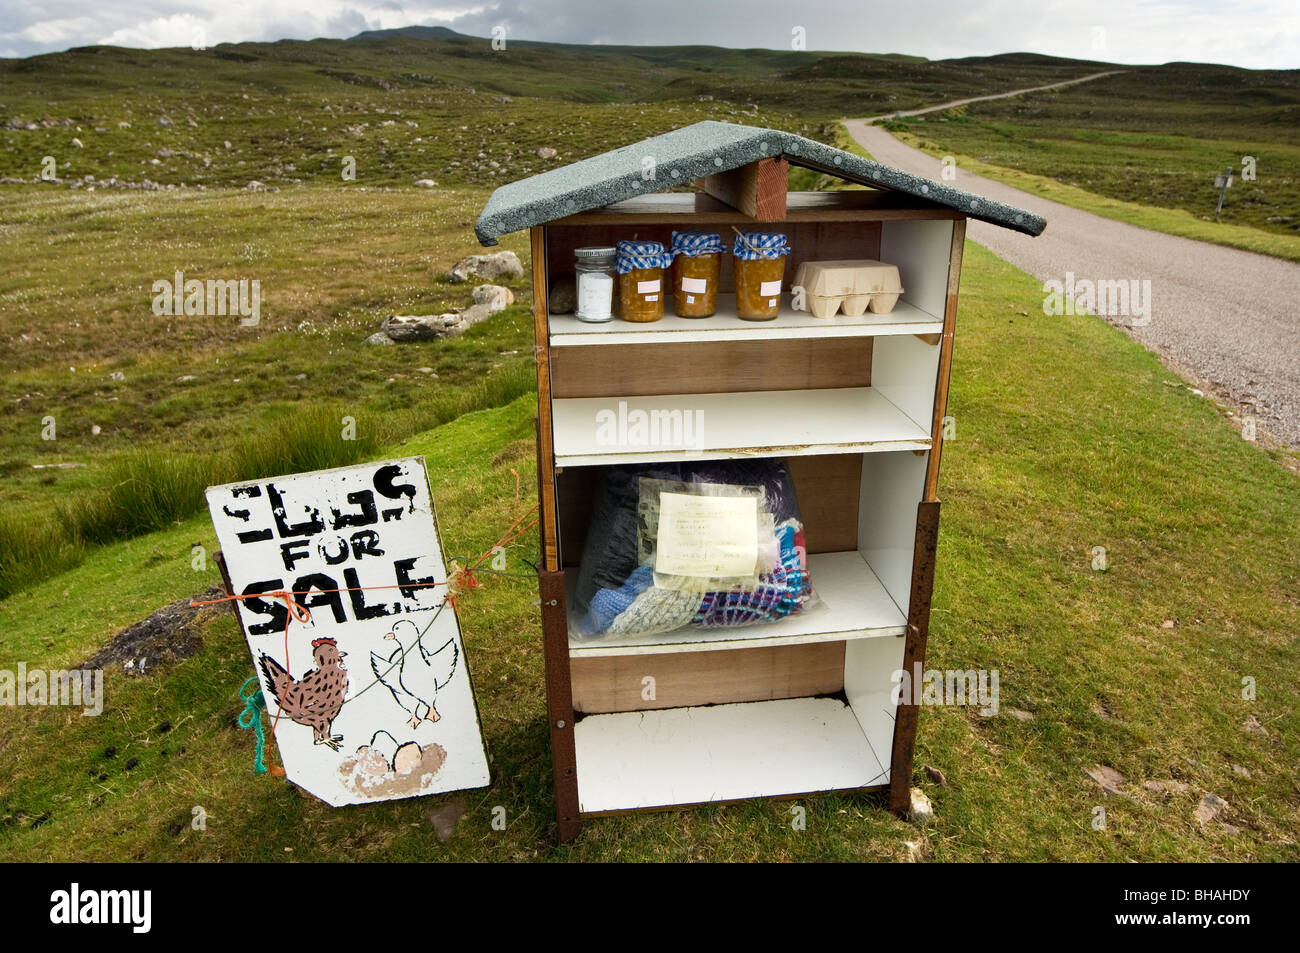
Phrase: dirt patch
x=169 y=635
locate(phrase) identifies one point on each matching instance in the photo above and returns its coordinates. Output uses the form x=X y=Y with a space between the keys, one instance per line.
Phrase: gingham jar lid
x=694 y=244
x=751 y=246
x=633 y=256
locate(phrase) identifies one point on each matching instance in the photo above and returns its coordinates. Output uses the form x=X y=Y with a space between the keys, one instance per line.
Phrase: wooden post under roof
x=757 y=189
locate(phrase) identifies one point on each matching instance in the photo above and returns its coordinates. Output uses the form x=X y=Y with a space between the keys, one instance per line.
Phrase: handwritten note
x=707 y=535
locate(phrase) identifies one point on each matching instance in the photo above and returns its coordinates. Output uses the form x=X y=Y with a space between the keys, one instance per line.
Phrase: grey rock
x=422 y=327
x=1166 y=787
x=564 y=295
x=1253 y=725
x=494 y=297
x=164 y=121
x=501 y=264
x=425 y=183
x=1211 y=807
x=920 y=811
x=1109 y=779
x=546 y=152
x=380 y=338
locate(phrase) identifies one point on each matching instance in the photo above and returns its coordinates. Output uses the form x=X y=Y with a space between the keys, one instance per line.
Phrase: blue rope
x=251 y=717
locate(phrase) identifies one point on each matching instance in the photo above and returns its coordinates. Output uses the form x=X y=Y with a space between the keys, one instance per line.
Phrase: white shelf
x=745 y=424
x=854 y=605
x=679 y=756
x=567 y=331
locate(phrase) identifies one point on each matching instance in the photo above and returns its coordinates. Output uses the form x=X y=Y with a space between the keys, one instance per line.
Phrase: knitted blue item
x=608 y=604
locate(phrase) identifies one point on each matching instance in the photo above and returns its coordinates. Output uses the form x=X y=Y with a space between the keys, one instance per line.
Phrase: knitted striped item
x=778 y=594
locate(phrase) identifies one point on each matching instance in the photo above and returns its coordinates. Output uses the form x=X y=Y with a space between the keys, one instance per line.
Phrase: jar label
x=690 y=299
x=647 y=287
x=695 y=285
x=652 y=297
x=769 y=288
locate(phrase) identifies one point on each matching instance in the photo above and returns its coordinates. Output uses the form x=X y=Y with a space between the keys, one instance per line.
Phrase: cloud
x=1252 y=33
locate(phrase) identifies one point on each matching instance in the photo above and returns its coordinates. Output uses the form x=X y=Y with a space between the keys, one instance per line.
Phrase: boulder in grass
x=546 y=152
x=501 y=264
x=425 y=183
x=920 y=811
x=495 y=297
x=488 y=300
x=422 y=327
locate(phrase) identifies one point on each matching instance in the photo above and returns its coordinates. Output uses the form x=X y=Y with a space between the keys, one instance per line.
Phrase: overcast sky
x=1253 y=33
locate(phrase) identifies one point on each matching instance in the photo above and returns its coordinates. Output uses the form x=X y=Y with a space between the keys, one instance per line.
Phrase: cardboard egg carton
x=852 y=286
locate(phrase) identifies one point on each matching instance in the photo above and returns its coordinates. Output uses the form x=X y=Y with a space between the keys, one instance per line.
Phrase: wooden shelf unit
x=855 y=406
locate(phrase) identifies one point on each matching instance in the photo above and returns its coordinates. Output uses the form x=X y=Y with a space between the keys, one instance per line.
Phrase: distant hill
x=429 y=102
x=414 y=32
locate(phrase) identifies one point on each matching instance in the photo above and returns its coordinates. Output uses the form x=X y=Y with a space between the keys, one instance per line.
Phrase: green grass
x=1067 y=438
x=1172 y=221
x=1144 y=147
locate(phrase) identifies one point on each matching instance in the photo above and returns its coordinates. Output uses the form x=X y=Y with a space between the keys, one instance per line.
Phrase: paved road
x=979 y=99
x=1229 y=318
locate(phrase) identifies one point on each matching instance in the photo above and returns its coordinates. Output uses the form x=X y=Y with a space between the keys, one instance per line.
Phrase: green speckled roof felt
x=703 y=149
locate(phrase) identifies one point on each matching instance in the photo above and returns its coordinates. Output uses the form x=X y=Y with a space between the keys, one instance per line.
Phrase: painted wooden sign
x=368 y=688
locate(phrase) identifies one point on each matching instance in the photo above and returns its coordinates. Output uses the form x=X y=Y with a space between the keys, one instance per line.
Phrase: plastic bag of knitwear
x=699 y=536
x=623 y=588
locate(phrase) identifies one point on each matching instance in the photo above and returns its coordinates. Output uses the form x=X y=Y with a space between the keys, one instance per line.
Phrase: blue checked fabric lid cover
x=751 y=246
x=636 y=255
x=694 y=244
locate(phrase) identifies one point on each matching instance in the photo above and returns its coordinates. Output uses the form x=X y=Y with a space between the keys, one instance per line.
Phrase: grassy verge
x=1067 y=439
x=1038 y=173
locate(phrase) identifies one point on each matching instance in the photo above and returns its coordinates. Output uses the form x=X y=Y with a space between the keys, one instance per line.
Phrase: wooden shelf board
x=679 y=756
x=734 y=425
x=568 y=331
x=853 y=605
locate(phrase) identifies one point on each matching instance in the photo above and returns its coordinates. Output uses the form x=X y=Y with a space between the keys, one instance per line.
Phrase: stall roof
x=707 y=148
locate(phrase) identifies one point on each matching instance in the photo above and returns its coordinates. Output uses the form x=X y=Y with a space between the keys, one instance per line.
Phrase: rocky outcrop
x=488 y=300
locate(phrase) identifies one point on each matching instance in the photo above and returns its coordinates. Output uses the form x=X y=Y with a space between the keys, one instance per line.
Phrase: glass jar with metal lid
x=594 y=276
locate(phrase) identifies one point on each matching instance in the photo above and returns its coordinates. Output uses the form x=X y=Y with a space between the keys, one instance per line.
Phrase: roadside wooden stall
x=854 y=404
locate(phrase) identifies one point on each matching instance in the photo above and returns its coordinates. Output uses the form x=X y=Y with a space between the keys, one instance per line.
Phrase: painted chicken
x=315 y=699
x=414 y=674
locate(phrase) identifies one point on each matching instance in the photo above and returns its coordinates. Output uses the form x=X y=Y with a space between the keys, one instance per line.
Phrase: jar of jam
x=760 y=270
x=594 y=277
x=640 y=267
x=697 y=259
